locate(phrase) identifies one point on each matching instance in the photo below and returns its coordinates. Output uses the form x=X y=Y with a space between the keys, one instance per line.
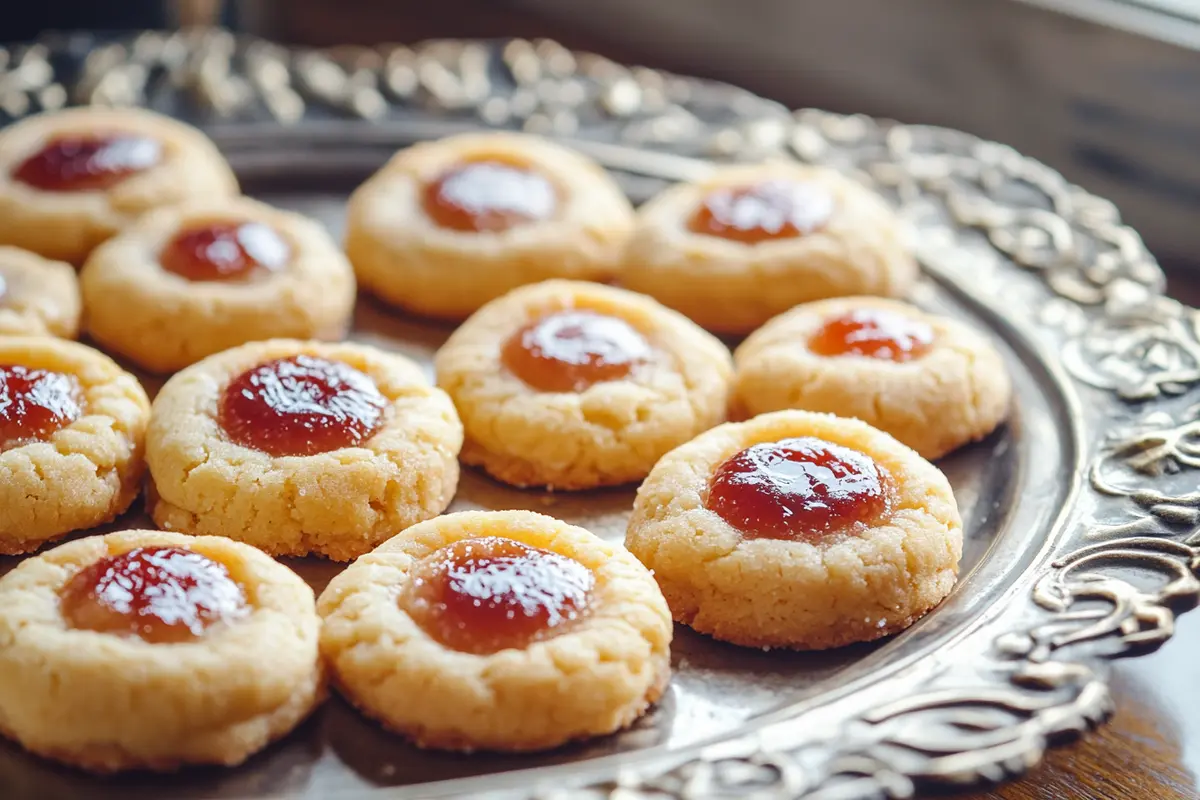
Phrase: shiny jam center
x=489 y=594
x=489 y=195
x=801 y=489
x=85 y=163
x=34 y=403
x=769 y=210
x=572 y=350
x=161 y=594
x=874 y=333
x=301 y=405
x=224 y=251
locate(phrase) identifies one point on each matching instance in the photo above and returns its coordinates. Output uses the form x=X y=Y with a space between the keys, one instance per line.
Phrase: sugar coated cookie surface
x=932 y=382
x=798 y=530
x=38 y=297
x=750 y=242
x=301 y=447
x=154 y=650
x=504 y=630
x=448 y=225
x=574 y=385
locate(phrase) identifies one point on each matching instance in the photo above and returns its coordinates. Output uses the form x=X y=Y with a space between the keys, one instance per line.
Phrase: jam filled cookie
x=447 y=226
x=72 y=428
x=38 y=297
x=71 y=179
x=753 y=241
x=152 y=650
x=797 y=530
x=503 y=630
x=574 y=385
x=183 y=283
x=933 y=383
x=301 y=447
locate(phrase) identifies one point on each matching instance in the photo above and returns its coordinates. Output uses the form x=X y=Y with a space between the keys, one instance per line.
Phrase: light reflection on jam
x=3 y=289
x=874 y=333
x=224 y=251
x=776 y=209
x=81 y=163
x=571 y=350
x=300 y=406
x=34 y=403
x=489 y=195
x=489 y=594
x=800 y=488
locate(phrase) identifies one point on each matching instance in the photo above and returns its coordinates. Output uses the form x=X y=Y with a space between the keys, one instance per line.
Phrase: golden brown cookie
x=71 y=179
x=183 y=283
x=38 y=297
x=797 y=530
x=501 y=630
x=750 y=242
x=72 y=429
x=574 y=385
x=932 y=382
x=447 y=226
x=301 y=447
x=153 y=650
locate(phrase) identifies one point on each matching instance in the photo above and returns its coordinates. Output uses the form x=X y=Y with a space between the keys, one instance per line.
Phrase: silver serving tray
x=1078 y=514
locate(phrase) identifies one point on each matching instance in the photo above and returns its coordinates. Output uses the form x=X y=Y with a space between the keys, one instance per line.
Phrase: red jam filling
x=489 y=594
x=300 y=406
x=34 y=403
x=571 y=350
x=489 y=195
x=769 y=210
x=161 y=594
x=874 y=333
x=224 y=251
x=88 y=163
x=800 y=489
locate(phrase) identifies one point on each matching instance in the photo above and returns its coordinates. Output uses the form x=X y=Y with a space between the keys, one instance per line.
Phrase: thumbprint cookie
x=38 y=297
x=501 y=630
x=301 y=447
x=183 y=283
x=752 y=241
x=797 y=530
x=72 y=431
x=574 y=385
x=446 y=226
x=932 y=382
x=71 y=179
x=153 y=650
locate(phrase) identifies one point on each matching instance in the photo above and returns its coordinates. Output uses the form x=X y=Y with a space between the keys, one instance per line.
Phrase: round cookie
x=153 y=650
x=185 y=282
x=752 y=241
x=574 y=385
x=428 y=635
x=797 y=530
x=301 y=447
x=932 y=382
x=446 y=226
x=72 y=430
x=38 y=297
x=71 y=179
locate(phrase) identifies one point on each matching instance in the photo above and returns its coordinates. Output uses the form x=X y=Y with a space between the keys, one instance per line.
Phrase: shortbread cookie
x=72 y=429
x=153 y=650
x=932 y=382
x=752 y=241
x=574 y=385
x=502 y=630
x=38 y=297
x=183 y=283
x=797 y=530
x=301 y=447
x=71 y=179
x=447 y=226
